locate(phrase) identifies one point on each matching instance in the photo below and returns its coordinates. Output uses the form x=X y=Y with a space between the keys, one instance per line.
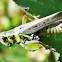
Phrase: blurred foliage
x=11 y=16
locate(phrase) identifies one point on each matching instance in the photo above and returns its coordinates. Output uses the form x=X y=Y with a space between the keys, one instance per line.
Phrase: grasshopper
x=27 y=33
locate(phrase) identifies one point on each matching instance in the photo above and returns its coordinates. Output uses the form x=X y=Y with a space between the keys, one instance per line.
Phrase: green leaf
x=41 y=7
x=54 y=41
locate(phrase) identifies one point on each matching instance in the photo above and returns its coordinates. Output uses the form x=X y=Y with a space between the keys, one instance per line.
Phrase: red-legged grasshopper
x=26 y=33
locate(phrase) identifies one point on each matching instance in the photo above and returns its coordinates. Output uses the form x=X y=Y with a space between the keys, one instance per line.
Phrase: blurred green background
x=11 y=16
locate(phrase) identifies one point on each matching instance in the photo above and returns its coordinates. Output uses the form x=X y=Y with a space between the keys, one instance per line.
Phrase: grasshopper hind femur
x=56 y=29
x=51 y=29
